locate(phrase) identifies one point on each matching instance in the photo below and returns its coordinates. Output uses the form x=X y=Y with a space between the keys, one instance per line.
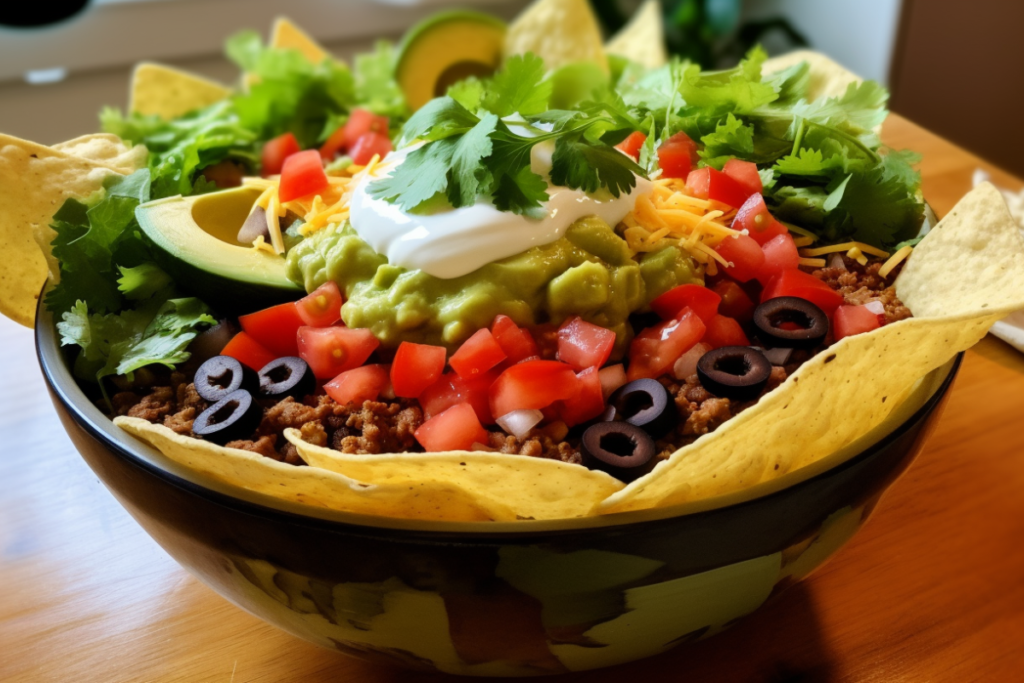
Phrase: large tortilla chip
x=169 y=93
x=966 y=274
x=827 y=78
x=559 y=31
x=642 y=40
x=528 y=488
x=286 y=35
x=34 y=182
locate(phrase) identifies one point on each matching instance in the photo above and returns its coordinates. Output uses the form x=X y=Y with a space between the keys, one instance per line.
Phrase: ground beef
x=862 y=284
x=541 y=446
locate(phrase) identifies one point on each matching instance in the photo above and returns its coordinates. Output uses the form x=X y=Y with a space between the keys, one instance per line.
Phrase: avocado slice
x=193 y=239
x=446 y=48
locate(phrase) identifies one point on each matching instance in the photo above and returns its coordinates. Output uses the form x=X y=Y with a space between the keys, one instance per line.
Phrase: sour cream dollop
x=454 y=242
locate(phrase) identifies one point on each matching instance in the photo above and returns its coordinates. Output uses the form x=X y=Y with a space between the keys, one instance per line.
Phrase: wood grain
x=931 y=590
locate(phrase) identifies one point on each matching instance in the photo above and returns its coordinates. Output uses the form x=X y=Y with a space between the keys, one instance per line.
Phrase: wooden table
x=931 y=590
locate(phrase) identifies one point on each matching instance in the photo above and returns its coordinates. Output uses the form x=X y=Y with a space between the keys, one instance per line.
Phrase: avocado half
x=446 y=48
x=194 y=240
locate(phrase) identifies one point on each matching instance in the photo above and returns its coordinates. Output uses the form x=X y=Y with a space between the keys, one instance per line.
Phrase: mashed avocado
x=589 y=272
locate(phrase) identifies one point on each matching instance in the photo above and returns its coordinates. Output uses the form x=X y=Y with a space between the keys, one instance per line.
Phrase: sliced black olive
x=644 y=403
x=222 y=375
x=288 y=376
x=254 y=226
x=618 y=448
x=734 y=372
x=809 y=321
x=234 y=417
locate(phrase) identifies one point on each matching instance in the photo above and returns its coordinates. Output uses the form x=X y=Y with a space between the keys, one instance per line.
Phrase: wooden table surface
x=931 y=590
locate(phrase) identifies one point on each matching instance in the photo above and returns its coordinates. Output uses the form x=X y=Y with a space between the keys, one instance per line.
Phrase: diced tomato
x=708 y=183
x=322 y=307
x=702 y=300
x=584 y=345
x=416 y=367
x=736 y=303
x=330 y=351
x=516 y=342
x=369 y=145
x=632 y=144
x=677 y=155
x=723 y=331
x=745 y=173
x=274 y=328
x=360 y=122
x=456 y=429
x=744 y=254
x=850 y=320
x=780 y=255
x=588 y=402
x=800 y=284
x=451 y=389
x=276 y=151
x=654 y=350
x=358 y=384
x=755 y=218
x=333 y=145
x=248 y=351
x=302 y=175
x=478 y=354
x=532 y=385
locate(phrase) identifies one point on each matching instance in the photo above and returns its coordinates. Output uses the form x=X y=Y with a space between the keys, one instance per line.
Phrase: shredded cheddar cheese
x=895 y=260
x=845 y=246
x=813 y=262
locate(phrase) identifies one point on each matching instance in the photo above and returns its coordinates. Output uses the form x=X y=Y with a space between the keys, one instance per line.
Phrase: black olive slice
x=618 y=448
x=809 y=322
x=734 y=372
x=222 y=375
x=234 y=417
x=644 y=403
x=287 y=376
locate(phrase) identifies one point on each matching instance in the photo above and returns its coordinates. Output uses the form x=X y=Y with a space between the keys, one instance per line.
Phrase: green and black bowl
x=504 y=599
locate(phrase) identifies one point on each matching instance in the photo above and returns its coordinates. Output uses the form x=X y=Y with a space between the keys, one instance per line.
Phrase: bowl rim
x=65 y=390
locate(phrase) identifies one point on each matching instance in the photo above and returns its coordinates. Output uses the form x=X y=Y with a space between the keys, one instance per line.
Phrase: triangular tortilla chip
x=827 y=78
x=287 y=35
x=559 y=31
x=642 y=40
x=34 y=182
x=169 y=93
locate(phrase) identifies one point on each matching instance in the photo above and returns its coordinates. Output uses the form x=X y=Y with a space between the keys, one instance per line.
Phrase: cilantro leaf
x=519 y=87
x=439 y=118
x=143 y=281
x=467 y=178
x=732 y=138
x=590 y=167
x=521 y=193
x=423 y=174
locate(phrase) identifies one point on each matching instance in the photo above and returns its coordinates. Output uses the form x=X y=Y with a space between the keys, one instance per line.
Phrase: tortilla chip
x=965 y=275
x=530 y=488
x=287 y=35
x=34 y=182
x=642 y=40
x=169 y=93
x=559 y=31
x=827 y=78
x=106 y=149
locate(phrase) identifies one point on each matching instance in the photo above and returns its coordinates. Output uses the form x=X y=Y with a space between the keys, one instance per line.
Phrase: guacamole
x=589 y=272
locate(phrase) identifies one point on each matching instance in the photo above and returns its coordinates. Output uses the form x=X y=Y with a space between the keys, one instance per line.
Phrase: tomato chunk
x=780 y=255
x=330 y=351
x=302 y=175
x=516 y=342
x=723 y=331
x=358 y=384
x=532 y=385
x=744 y=255
x=478 y=354
x=416 y=367
x=800 y=284
x=745 y=173
x=655 y=350
x=321 y=307
x=632 y=144
x=709 y=183
x=451 y=389
x=274 y=328
x=677 y=155
x=736 y=303
x=702 y=300
x=583 y=345
x=248 y=351
x=755 y=218
x=588 y=402
x=456 y=429
x=369 y=145
x=276 y=151
x=360 y=122
x=850 y=320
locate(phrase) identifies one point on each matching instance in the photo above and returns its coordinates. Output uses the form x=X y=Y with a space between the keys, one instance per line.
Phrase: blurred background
x=953 y=67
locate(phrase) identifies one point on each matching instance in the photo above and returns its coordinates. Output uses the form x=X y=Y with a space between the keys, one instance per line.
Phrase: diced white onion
x=612 y=377
x=837 y=262
x=518 y=423
x=687 y=363
x=875 y=307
